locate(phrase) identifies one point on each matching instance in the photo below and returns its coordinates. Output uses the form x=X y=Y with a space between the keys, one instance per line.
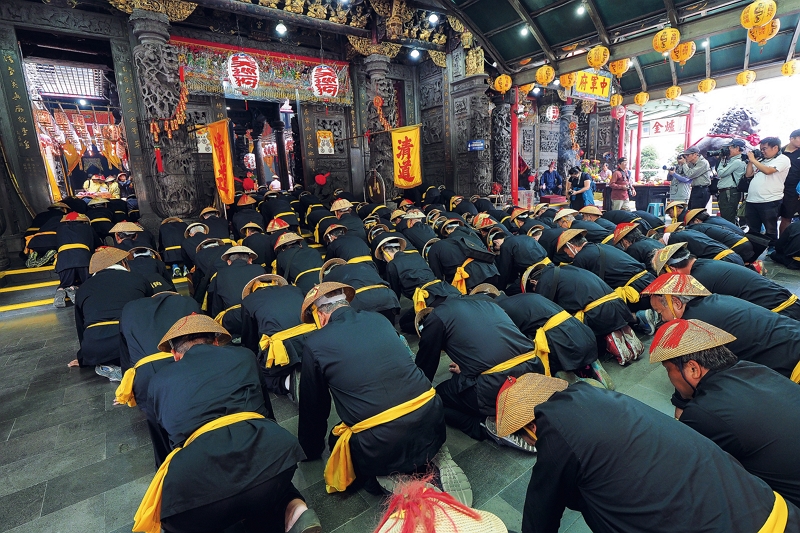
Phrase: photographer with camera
x=694 y=167
x=768 y=168
x=730 y=172
x=791 y=198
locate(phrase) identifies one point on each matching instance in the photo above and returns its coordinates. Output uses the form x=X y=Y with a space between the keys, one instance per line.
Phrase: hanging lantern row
x=641 y=98
x=683 y=52
x=762 y=34
x=666 y=40
x=502 y=84
x=707 y=85
x=545 y=75
x=759 y=13
x=789 y=68
x=568 y=80
x=598 y=57
x=616 y=100
x=673 y=92
x=745 y=78
x=619 y=67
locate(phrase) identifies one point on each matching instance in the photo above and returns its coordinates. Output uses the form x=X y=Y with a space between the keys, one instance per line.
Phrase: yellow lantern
x=616 y=100
x=759 y=13
x=525 y=61
x=666 y=40
x=789 y=68
x=762 y=34
x=502 y=84
x=525 y=89
x=619 y=67
x=745 y=78
x=641 y=98
x=597 y=57
x=568 y=80
x=545 y=74
x=683 y=52
x=673 y=92
x=707 y=85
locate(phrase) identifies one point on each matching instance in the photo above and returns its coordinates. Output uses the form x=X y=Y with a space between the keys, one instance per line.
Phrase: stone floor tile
x=568 y=519
x=41 y=390
x=87 y=389
x=83 y=517
x=121 y=502
x=127 y=437
x=77 y=485
x=52 y=415
x=334 y=509
x=656 y=400
x=97 y=422
x=579 y=526
x=514 y=493
x=658 y=381
x=363 y=523
x=21 y=506
x=27 y=445
x=24 y=347
x=510 y=516
x=5 y=429
x=458 y=441
x=491 y=468
x=308 y=473
x=284 y=408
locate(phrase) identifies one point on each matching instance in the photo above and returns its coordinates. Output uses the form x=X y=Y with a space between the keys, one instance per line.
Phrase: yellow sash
x=168 y=248
x=218 y=319
x=460 y=279
x=606 y=239
x=316 y=229
x=107 y=323
x=776 y=521
x=277 y=354
x=541 y=346
x=100 y=220
x=204 y=306
x=420 y=295
x=124 y=392
x=370 y=287
x=788 y=303
x=740 y=242
x=148 y=516
x=628 y=293
x=723 y=253
x=511 y=363
x=75 y=246
x=304 y=272
x=607 y=298
x=360 y=259
x=339 y=472
x=284 y=214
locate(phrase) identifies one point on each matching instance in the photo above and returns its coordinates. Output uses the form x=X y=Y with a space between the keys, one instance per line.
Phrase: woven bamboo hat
x=340 y=204
x=190 y=325
x=125 y=227
x=376 y=230
x=427 y=247
x=533 y=272
x=406 y=203
x=170 y=219
x=519 y=397
x=449 y=520
x=333 y=227
x=496 y=232
x=485 y=288
x=622 y=229
x=655 y=231
x=238 y=250
x=277 y=224
x=97 y=201
x=414 y=215
x=264 y=280
x=567 y=236
x=397 y=213
x=322 y=291
x=538 y=208
x=141 y=249
x=662 y=256
x=535 y=231
x=562 y=213
x=58 y=205
x=432 y=215
x=386 y=238
x=518 y=212
x=677 y=203
x=192 y=226
x=328 y=265
x=672 y=228
x=105 y=257
x=253 y=225
x=206 y=242
x=419 y=318
x=246 y=199
x=691 y=214
x=591 y=210
x=208 y=210
x=287 y=238
x=676 y=284
x=681 y=337
x=483 y=221
x=75 y=217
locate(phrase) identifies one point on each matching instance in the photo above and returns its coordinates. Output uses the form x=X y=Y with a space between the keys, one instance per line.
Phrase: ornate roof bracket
x=176 y=10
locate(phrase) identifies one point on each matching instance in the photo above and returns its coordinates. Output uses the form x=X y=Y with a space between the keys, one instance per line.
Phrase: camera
x=665 y=167
x=756 y=153
x=725 y=152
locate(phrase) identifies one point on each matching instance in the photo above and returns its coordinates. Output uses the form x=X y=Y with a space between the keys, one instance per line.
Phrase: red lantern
x=243 y=71
x=618 y=112
x=324 y=82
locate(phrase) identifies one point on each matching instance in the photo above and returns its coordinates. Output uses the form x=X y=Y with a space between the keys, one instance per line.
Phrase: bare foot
x=72 y=364
x=295 y=508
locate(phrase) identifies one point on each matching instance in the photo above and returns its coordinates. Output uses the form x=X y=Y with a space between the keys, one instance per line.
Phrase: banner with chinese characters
x=592 y=85
x=221 y=154
x=325 y=142
x=246 y=73
x=405 y=149
x=664 y=126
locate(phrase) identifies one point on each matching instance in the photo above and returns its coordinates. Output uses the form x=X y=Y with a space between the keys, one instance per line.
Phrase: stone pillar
x=177 y=191
x=380 y=146
x=283 y=170
x=501 y=140
x=471 y=120
x=567 y=157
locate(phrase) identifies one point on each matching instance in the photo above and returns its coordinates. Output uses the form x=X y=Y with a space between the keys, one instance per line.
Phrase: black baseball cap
x=738 y=143
x=691 y=150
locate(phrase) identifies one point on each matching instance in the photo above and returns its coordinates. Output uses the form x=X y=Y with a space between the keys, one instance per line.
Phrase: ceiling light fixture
x=665 y=54
x=82 y=101
x=536 y=90
x=281 y=28
x=494 y=64
x=227 y=109
x=415 y=53
x=434 y=18
x=556 y=82
x=581 y=9
x=704 y=44
x=524 y=31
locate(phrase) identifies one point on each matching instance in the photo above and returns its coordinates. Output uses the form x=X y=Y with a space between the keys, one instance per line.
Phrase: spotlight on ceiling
x=665 y=54
x=227 y=108
x=556 y=82
x=524 y=31
x=704 y=44
x=494 y=64
x=581 y=9
x=434 y=18
x=536 y=90
x=281 y=28
x=414 y=53
x=82 y=101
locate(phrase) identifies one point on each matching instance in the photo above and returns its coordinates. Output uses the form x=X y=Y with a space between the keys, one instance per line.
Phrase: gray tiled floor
x=71 y=461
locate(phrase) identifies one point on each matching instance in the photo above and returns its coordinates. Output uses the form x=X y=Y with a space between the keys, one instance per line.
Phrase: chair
x=656 y=209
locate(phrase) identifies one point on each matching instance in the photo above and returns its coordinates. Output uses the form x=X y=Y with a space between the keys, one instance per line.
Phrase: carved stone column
x=471 y=121
x=380 y=146
x=501 y=141
x=567 y=157
x=283 y=171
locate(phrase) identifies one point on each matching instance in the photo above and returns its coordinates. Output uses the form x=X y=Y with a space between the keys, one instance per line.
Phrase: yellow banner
x=406 y=149
x=223 y=161
x=591 y=83
x=72 y=154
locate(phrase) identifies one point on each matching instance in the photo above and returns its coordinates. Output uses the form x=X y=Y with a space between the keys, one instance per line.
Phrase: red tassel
x=245 y=105
x=159 y=161
x=180 y=73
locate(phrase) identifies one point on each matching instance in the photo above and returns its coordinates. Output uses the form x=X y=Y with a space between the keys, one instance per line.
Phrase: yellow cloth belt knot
x=511 y=363
x=420 y=295
x=148 y=516
x=219 y=318
x=339 y=471
x=785 y=305
x=777 y=519
x=627 y=293
x=360 y=259
x=723 y=253
x=124 y=393
x=75 y=246
x=277 y=354
x=541 y=346
x=591 y=305
x=106 y=323
x=460 y=279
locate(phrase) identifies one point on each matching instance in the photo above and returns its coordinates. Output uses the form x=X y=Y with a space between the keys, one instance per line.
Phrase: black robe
x=281 y=208
x=217 y=228
x=720 y=277
x=517 y=253
x=45 y=237
x=418 y=234
x=208 y=262
x=245 y=215
x=102 y=220
x=594 y=232
x=787 y=247
x=263 y=245
x=79 y=233
x=643 y=250
x=225 y=292
x=266 y=312
x=300 y=267
x=612 y=265
x=170 y=238
x=719 y=221
x=618 y=216
x=189 y=248
x=354 y=226
x=549 y=240
x=762 y=336
x=347 y=247
x=572 y=343
x=101 y=299
x=574 y=288
x=731 y=403
x=154 y=271
x=446 y=255
x=701 y=245
x=207 y=383
x=627 y=467
x=477 y=335
x=41 y=218
x=334 y=362
x=733 y=240
x=120 y=210
x=605 y=223
x=379 y=298
x=406 y=272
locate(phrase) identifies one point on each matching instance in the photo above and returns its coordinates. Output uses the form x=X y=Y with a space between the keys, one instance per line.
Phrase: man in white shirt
x=765 y=194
